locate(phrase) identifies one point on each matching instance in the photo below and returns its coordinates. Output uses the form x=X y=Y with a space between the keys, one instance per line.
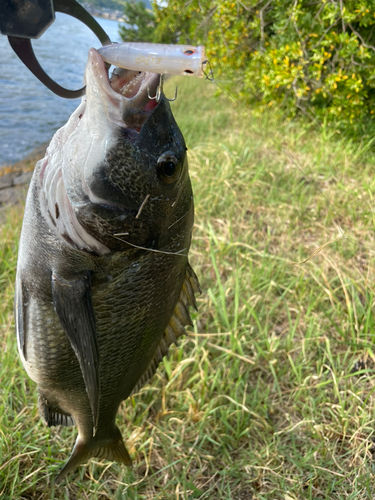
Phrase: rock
x=15 y=179
x=6 y=180
x=24 y=178
x=12 y=195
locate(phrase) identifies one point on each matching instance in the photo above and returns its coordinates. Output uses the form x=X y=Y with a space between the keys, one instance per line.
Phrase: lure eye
x=168 y=168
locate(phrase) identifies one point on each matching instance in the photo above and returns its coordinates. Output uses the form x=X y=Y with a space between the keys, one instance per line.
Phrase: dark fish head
x=123 y=166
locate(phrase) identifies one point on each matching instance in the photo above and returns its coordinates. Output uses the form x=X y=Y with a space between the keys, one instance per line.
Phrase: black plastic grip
x=26 y=18
x=22 y=20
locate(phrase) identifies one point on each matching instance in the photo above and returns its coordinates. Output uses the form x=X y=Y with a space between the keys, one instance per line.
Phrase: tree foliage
x=140 y=23
x=316 y=57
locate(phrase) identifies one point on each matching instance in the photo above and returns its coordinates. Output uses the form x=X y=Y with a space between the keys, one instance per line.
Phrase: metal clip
x=159 y=91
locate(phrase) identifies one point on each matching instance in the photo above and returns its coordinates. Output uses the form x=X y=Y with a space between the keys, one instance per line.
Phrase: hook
x=159 y=91
x=210 y=74
x=175 y=96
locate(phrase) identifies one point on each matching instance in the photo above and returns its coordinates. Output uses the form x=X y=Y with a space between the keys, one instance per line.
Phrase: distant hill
x=110 y=4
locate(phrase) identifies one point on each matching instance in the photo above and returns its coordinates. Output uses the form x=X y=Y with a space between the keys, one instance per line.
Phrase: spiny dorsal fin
x=193 y=279
x=176 y=327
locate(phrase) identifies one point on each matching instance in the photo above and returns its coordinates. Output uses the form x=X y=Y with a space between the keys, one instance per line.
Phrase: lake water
x=29 y=112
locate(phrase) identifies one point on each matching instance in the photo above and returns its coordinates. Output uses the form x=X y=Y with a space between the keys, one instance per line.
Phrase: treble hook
x=159 y=91
x=210 y=74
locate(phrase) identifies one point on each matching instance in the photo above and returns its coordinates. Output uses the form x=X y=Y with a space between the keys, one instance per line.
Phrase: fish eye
x=169 y=168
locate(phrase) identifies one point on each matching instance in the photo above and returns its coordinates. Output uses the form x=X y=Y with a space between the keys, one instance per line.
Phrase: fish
x=103 y=283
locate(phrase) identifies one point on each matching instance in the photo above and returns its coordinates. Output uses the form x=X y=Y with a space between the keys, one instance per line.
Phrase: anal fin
x=176 y=327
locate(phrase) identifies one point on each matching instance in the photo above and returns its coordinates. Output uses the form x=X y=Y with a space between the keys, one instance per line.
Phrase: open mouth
x=138 y=89
x=130 y=92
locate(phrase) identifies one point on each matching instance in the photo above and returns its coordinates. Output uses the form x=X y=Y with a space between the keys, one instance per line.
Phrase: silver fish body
x=103 y=282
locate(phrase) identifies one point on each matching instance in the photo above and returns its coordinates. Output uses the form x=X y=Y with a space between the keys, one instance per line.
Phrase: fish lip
x=122 y=104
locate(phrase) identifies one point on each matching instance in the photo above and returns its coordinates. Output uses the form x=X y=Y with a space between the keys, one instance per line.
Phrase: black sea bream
x=103 y=280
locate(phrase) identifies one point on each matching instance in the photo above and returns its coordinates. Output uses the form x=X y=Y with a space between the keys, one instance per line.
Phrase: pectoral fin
x=53 y=415
x=73 y=305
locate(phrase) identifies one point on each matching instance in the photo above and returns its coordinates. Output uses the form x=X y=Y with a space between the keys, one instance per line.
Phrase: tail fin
x=113 y=450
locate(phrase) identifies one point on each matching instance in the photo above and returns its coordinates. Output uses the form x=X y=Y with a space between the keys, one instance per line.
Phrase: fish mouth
x=128 y=95
x=79 y=149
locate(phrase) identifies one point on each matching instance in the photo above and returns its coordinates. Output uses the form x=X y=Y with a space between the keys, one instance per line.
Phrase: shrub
x=312 y=57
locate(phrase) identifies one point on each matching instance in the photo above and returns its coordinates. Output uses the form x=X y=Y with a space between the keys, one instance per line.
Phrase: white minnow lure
x=156 y=58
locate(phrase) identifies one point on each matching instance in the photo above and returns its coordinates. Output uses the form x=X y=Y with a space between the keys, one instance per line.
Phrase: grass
x=272 y=395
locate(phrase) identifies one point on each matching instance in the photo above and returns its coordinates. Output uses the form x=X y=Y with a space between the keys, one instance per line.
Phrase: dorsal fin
x=176 y=327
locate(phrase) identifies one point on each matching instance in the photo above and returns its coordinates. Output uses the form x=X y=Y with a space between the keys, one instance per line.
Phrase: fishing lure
x=156 y=58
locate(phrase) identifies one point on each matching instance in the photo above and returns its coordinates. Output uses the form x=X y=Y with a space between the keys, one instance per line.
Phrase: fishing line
x=208 y=73
x=179 y=254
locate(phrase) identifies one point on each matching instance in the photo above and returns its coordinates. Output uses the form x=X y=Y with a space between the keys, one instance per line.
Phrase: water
x=29 y=112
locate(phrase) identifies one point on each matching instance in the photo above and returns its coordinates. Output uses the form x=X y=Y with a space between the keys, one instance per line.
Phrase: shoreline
x=27 y=163
x=15 y=178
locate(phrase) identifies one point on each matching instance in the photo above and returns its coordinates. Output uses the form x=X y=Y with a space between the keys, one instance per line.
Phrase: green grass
x=272 y=396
